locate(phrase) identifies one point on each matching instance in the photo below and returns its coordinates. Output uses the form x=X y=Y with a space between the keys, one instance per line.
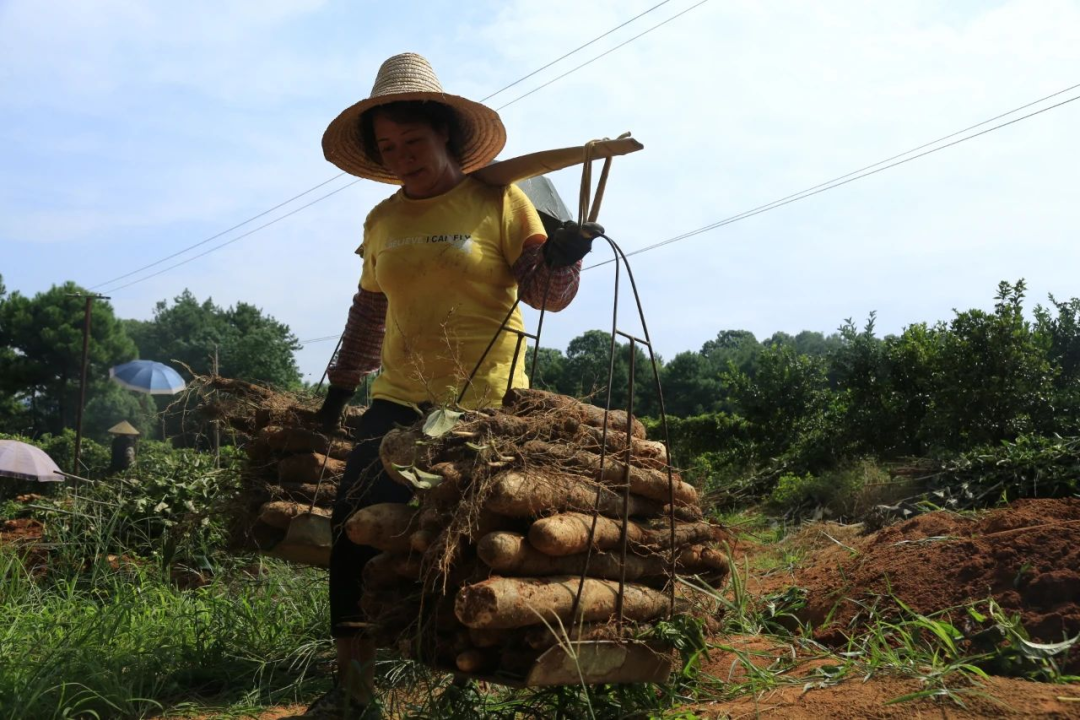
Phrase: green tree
x=691 y=385
x=588 y=360
x=733 y=349
x=550 y=368
x=250 y=345
x=1062 y=336
x=816 y=344
x=13 y=412
x=43 y=336
x=588 y=364
x=996 y=378
x=790 y=409
x=110 y=403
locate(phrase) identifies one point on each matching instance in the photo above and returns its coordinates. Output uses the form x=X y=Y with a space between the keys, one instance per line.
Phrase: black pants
x=364 y=483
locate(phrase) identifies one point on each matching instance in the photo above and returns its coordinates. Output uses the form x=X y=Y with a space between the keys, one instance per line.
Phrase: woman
x=444 y=259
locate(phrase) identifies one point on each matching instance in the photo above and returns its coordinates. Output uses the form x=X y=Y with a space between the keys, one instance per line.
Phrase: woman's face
x=417 y=154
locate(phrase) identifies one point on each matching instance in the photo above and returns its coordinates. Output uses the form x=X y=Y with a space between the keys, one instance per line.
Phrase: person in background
x=444 y=259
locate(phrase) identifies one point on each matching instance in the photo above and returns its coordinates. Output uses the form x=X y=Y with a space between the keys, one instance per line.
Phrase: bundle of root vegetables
x=515 y=515
x=294 y=464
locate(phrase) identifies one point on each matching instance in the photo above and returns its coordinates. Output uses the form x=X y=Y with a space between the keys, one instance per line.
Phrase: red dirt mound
x=20 y=530
x=865 y=700
x=1025 y=556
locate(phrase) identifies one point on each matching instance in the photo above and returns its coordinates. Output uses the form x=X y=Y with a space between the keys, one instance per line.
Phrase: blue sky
x=129 y=130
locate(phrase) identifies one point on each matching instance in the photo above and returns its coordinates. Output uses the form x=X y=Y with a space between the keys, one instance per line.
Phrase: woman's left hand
x=570 y=243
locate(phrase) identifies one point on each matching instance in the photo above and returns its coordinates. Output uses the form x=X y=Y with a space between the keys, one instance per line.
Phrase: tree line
x=41 y=354
x=804 y=402
x=810 y=403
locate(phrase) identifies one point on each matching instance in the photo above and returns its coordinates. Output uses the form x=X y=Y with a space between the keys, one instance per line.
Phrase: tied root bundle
x=288 y=453
x=482 y=572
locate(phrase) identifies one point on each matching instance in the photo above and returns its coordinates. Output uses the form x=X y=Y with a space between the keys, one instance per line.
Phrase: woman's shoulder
x=500 y=194
x=385 y=207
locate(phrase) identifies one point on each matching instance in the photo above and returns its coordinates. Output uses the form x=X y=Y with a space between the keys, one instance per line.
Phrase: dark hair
x=435 y=114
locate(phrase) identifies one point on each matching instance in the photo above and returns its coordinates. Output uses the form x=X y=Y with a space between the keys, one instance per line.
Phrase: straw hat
x=410 y=77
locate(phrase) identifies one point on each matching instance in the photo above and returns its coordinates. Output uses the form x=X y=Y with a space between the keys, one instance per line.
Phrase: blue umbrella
x=147 y=376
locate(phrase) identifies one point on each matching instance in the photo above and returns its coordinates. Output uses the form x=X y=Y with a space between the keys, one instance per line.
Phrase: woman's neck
x=447 y=181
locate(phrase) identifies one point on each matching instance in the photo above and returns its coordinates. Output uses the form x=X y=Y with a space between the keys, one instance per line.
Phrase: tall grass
x=94 y=625
x=126 y=643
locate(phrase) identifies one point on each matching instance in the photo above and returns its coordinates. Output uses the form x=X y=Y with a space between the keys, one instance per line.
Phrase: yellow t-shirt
x=444 y=264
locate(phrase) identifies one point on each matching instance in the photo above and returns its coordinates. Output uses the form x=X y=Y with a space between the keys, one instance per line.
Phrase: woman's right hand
x=329 y=415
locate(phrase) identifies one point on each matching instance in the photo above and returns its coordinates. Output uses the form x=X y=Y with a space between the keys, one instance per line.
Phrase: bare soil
x=857 y=700
x=20 y=530
x=1025 y=556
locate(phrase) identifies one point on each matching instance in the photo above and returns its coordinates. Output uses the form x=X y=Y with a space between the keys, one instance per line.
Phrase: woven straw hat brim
x=482 y=135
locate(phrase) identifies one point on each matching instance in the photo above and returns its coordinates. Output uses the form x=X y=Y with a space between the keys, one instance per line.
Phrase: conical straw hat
x=123 y=428
x=410 y=77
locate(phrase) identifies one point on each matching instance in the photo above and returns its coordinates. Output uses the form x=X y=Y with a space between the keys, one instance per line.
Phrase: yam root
x=476 y=660
x=486 y=637
x=568 y=534
x=299 y=440
x=648 y=453
x=500 y=602
x=704 y=560
x=526 y=401
x=400 y=447
x=510 y=553
x=528 y=494
x=421 y=540
x=279 y=513
x=386 y=526
x=646 y=482
x=542 y=637
x=432 y=520
x=304 y=492
x=308 y=468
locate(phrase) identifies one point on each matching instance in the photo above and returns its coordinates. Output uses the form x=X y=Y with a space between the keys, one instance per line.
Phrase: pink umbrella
x=26 y=462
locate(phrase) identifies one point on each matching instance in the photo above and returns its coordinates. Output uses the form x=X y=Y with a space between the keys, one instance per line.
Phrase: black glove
x=329 y=415
x=570 y=243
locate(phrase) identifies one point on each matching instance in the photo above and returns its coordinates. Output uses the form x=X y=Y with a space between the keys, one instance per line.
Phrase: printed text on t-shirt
x=458 y=241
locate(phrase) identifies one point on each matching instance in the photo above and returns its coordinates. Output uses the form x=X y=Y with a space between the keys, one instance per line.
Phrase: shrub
x=843 y=493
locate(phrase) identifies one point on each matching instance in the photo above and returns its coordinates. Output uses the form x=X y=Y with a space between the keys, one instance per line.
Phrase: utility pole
x=217 y=423
x=82 y=375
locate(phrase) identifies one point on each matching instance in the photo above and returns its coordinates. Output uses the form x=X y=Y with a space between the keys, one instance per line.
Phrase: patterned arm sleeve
x=361 y=343
x=534 y=277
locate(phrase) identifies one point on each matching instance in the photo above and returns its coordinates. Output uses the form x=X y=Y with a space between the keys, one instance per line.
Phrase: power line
x=853 y=176
x=319 y=339
x=326 y=182
x=603 y=54
x=238 y=237
x=575 y=50
x=215 y=237
x=839 y=180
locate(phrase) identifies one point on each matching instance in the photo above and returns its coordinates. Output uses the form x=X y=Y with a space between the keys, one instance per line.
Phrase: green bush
x=842 y=493
x=1030 y=466
x=172 y=505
